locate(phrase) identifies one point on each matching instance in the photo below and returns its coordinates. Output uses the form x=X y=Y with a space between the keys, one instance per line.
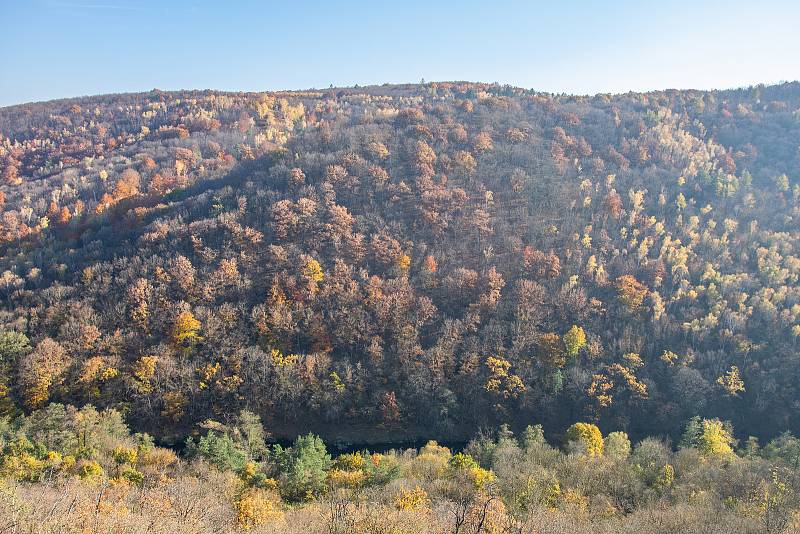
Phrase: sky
x=64 y=48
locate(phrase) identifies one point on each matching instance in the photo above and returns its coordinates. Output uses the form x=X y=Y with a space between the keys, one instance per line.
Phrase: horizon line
x=422 y=82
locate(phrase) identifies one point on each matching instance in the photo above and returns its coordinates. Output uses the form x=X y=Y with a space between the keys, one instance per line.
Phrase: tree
x=389 y=408
x=617 y=445
x=424 y=158
x=257 y=506
x=541 y=264
x=585 y=438
x=711 y=437
x=782 y=182
x=40 y=371
x=574 y=340
x=11 y=175
x=613 y=203
x=63 y=216
x=142 y=373
x=378 y=150
x=515 y=135
x=483 y=142
x=501 y=381
x=715 y=440
x=731 y=382
x=184 y=274
x=186 y=331
x=691 y=433
x=127 y=185
x=312 y=274
x=466 y=162
x=302 y=468
x=175 y=403
x=430 y=264
x=219 y=449
x=250 y=434
x=13 y=345
x=550 y=350
x=630 y=292
x=785 y=446
x=532 y=437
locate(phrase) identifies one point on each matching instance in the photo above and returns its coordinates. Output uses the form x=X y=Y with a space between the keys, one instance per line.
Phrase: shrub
x=90 y=470
x=256 y=507
x=411 y=499
x=338 y=478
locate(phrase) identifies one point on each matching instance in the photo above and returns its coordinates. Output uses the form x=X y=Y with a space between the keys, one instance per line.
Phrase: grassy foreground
x=64 y=469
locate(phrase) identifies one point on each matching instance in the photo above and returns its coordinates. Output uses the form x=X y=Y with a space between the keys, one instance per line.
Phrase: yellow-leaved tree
x=312 y=274
x=586 y=438
x=715 y=440
x=186 y=331
x=732 y=382
x=40 y=371
x=501 y=381
x=574 y=340
x=711 y=437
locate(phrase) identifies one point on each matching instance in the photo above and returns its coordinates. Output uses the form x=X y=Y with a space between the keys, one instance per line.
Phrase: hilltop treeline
x=404 y=261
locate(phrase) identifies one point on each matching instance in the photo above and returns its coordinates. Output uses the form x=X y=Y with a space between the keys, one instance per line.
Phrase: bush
x=256 y=507
x=411 y=499
x=382 y=468
x=90 y=469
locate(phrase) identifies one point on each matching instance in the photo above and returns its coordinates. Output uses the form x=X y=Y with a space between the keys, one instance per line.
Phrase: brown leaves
x=541 y=264
x=40 y=371
x=630 y=292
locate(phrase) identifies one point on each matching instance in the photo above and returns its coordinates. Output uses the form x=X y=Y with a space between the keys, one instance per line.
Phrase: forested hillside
x=404 y=262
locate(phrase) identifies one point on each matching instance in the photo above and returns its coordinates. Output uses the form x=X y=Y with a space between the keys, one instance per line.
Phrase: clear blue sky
x=59 y=48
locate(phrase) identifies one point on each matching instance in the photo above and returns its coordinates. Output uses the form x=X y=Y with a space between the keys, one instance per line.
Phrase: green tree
x=782 y=182
x=13 y=345
x=219 y=449
x=785 y=446
x=250 y=435
x=533 y=436
x=691 y=434
x=303 y=468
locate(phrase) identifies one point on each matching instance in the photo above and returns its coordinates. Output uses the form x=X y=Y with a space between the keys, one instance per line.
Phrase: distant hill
x=387 y=263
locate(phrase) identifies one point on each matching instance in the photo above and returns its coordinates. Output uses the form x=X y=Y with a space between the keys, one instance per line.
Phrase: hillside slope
x=393 y=262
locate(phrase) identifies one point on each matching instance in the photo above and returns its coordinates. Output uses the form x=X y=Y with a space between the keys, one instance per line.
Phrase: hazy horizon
x=303 y=89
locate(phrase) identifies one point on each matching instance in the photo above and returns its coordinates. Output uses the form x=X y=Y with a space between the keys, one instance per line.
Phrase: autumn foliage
x=404 y=261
